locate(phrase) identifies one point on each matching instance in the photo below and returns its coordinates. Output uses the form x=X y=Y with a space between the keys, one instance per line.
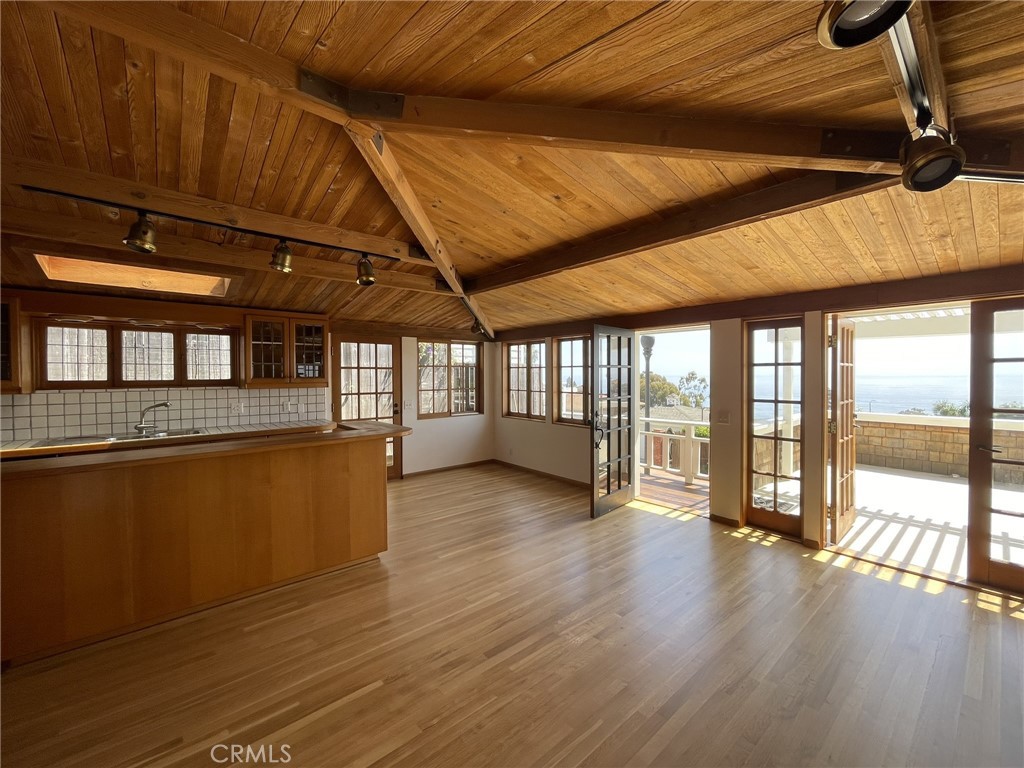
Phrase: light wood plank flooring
x=505 y=628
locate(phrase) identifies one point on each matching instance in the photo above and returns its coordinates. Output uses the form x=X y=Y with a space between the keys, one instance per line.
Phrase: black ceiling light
x=849 y=23
x=366 y=277
x=282 y=258
x=141 y=236
x=931 y=160
x=477 y=327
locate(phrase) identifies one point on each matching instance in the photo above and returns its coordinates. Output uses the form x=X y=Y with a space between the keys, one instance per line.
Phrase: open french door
x=614 y=462
x=842 y=428
x=367 y=386
x=995 y=530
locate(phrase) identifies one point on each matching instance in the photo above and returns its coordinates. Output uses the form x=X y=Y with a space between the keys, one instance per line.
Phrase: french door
x=367 y=386
x=614 y=462
x=842 y=429
x=774 y=496
x=995 y=538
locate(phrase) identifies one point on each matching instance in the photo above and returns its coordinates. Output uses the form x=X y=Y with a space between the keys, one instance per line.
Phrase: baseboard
x=725 y=521
x=548 y=475
x=445 y=469
x=813 y=544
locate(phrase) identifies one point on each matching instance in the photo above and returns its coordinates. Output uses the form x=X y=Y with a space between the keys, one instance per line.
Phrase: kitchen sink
x=152 y=435
x=58 y=441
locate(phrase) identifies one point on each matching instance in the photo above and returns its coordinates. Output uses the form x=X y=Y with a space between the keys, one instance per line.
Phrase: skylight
x=127 y=276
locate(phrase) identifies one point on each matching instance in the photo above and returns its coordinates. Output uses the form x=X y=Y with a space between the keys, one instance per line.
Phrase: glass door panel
x=773 y=423
x=612 y=428
x=367 y=386
x=996 y=465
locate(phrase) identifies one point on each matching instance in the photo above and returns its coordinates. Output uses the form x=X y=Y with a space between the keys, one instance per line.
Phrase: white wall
x=726 y=470
x=544 y=446
x=449 y=441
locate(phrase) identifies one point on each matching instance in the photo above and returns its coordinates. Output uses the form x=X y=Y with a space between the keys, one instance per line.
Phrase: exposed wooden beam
x=799 y=194
x=789 y=146
x=356 y=328
x=45 y=227
x=375 y=150
x=133 y=194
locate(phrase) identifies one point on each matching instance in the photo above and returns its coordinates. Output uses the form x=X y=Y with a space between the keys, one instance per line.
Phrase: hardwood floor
x=505 y=628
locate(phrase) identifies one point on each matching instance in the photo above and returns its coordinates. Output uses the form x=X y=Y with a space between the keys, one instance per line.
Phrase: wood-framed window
x=572 y=380
x=74 y=355
x=526 y=379
x=114 y=355
x=449 y=378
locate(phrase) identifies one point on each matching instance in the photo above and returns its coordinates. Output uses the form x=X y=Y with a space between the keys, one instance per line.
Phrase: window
x=75 y=355
x=147 y=356
x=526 y=384
x=210 y=357
x=448 y=378
x=572 y=395
x=92 y=355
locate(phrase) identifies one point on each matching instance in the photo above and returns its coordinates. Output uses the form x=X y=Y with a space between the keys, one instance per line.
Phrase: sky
x=678 y=352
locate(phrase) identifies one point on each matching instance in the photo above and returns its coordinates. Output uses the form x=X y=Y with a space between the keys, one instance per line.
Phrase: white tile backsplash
x=73 y=413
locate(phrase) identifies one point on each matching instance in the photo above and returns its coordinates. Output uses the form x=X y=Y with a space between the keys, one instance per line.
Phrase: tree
x=694 y=390
x=913 y=412
x=661 y=389
x=949 y=408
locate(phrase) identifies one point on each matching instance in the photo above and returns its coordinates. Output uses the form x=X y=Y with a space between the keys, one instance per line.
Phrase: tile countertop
x=43 y=461
x=23 y=448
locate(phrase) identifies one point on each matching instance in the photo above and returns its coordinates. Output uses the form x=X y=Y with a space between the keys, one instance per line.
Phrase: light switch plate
x=723 y=417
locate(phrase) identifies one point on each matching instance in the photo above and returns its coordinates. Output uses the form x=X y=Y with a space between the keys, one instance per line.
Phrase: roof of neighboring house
x=677 y=413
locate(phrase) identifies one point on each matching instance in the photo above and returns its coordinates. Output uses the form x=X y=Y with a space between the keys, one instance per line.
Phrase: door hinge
x=833 y=428
x=831 y=341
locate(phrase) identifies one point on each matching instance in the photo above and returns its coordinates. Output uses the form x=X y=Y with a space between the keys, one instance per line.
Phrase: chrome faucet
x=145 y=428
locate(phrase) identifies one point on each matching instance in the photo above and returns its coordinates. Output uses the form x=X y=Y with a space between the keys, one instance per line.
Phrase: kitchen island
x=96 y=544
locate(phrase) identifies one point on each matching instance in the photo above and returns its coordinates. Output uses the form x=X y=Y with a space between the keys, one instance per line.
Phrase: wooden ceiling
x=158 y=105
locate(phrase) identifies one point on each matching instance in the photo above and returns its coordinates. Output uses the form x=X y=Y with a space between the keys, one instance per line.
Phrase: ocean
x=892 y=394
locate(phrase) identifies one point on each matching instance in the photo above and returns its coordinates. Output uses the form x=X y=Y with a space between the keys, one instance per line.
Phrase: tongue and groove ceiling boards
x=555 y=161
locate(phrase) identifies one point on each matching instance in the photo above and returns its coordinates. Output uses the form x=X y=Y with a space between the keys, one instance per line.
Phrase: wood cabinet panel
x=102 y=550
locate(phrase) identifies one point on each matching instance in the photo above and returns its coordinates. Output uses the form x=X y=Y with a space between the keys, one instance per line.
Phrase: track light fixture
x=931 y=160
x=849 y=23
x=141 y=236
x=282 y=258
x=365 y=277
x=477 y=327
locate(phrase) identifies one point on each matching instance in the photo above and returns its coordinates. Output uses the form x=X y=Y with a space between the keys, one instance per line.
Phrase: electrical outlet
x=723 y=417
x=237 y=408
x=291 y=407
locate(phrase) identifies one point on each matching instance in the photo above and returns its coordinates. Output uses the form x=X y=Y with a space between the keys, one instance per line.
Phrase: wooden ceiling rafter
x=778 y=200
x=378 y=155
x=44 y=227
x=126 y=193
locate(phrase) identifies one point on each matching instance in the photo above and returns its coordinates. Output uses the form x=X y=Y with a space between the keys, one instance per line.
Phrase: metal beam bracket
x=355 y=103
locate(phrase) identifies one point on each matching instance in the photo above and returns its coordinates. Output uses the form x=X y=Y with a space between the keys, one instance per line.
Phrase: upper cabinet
x=285 y=351
x=13 y=346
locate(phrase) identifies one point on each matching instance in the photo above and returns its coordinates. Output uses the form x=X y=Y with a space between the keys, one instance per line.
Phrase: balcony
x=911 y=487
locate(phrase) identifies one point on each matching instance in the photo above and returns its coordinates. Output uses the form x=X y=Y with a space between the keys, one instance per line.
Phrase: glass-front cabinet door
x=268 y=361
x=309 y=351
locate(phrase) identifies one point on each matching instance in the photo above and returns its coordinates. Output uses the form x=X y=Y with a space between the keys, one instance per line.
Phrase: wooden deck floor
x=505 y=628
x=674 y=492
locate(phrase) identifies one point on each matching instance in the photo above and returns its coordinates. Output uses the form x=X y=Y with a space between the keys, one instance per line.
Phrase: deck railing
x=683 y=453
